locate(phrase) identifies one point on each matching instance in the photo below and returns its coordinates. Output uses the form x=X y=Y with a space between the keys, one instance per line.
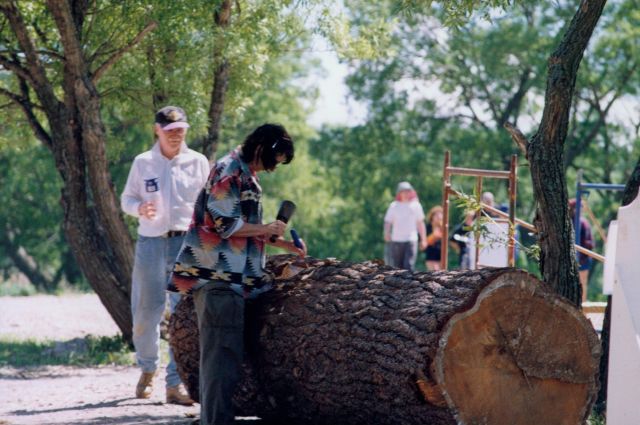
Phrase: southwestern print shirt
x=230 y=198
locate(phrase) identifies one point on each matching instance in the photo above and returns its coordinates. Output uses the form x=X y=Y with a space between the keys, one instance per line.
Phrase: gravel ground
x=57 y=395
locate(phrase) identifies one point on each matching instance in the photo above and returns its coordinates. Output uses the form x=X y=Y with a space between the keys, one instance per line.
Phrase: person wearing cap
x=222 y=263
x=161 y=190
x=403 y=223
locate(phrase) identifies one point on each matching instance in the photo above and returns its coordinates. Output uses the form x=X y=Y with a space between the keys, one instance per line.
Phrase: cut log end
x=520 y=355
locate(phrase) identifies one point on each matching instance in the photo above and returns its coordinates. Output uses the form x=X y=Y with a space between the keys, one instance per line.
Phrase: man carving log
x=343 y=343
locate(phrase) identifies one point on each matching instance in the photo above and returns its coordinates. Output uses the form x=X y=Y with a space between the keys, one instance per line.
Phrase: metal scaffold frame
x=582 y=188
x=511 y=175
x=447 y=190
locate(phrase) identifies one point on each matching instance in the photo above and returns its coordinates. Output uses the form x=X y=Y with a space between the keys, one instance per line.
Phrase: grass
x=88 y=351
x=596 y=420
x=12 y=289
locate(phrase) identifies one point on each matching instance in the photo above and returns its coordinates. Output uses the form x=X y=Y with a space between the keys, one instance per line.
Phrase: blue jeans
x=154 y=260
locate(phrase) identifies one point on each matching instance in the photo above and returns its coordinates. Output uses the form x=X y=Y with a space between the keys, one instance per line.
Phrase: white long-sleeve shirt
x=171 y=184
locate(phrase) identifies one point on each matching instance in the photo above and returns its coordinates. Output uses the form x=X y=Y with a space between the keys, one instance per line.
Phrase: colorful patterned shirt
x=230 y=198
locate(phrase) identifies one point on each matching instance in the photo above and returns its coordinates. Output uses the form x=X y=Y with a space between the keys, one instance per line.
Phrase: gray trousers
x=403 y=254
x=221 y=321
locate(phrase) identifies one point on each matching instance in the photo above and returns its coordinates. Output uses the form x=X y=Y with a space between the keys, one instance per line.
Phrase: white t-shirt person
x=405 y=218
x=403 y=222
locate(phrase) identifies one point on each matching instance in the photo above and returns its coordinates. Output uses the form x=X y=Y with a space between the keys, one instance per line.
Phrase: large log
x=342 y=343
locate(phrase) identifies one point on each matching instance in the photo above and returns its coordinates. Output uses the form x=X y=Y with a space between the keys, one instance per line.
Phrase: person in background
x=586 y=241
x=460 y=240
x=403 y=224
x=222 y=263
x=434 y=238
x=488 y=199
x=161 y=189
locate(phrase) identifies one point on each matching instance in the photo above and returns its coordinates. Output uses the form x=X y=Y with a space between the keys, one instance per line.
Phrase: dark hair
x=273 y=139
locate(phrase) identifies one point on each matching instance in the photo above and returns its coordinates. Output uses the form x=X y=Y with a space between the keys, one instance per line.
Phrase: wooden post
x=446 y=185
x=513 y=177
x=476 y=234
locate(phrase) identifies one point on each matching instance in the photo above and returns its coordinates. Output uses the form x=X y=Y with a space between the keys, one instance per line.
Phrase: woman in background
x=434 y=238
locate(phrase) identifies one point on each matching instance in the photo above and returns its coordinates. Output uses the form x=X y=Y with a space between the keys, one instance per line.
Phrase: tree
x=546 y=156
x=57 y=54
x=31 y=232
x=609 y=75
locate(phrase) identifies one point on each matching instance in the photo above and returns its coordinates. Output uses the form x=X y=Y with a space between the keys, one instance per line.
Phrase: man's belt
x=231 y=277
x=174 y=233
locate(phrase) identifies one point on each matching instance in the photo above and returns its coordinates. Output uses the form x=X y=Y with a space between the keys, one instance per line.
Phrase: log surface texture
x=342 y=343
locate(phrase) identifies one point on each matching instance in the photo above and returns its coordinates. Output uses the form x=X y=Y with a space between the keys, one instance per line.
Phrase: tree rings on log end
x=520 y=355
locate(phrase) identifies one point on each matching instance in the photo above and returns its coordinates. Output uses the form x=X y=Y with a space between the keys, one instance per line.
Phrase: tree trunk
x=222 y=16
x=25 y=263
x=343 y=343
x=93 y=224
x=545 y=153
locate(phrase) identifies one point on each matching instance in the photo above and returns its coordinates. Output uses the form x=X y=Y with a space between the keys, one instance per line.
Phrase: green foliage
x=173 y=64
x=434 y=75
x=596 y=419
x=489 y=73
x=472 y=204
x=457 y=12
x=13 y=289
x=88 y=351
x=368 y=39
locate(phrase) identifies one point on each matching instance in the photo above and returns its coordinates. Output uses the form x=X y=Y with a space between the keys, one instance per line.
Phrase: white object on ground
x=494 y=250
x=624 y=353
x=609 y=258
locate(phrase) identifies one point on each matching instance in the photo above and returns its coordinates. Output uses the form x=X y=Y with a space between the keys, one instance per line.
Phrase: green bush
x=88 y=351
x=13 y=289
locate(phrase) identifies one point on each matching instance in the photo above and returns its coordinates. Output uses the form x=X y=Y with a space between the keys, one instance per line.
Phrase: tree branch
x=514 y=103
x=27 y=108
x=222 y=16
x=15 y=67
x=24 y=262
x=120 y=52
x=467 y=103
x=517 y=136
x=37 y=76
x=34 y=66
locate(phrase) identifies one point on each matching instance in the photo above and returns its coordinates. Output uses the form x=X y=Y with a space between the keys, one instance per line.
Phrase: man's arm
x=267 y=230
x=130 y=201
x=422 y=232
x=387 y=231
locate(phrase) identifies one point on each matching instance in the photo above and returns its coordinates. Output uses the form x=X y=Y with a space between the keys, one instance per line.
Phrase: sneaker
x=176 y=395
x=145 y=385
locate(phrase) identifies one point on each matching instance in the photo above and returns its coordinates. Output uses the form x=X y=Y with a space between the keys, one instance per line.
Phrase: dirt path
x=57 y=395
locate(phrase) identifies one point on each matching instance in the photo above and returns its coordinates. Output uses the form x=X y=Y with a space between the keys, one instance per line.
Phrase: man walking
x=161 y=190
x=403 y=223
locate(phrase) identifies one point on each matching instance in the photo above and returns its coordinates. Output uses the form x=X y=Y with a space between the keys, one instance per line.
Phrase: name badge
x=151 y=185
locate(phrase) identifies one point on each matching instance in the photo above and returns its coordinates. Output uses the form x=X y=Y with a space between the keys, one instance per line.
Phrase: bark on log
x=343 y=343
